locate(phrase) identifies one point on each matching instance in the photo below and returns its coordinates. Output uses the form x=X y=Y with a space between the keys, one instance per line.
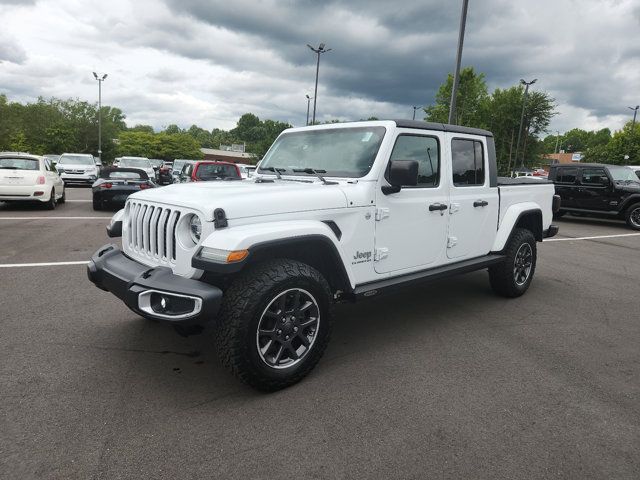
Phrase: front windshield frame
x=622 y=174
x=76 y=160
x=270 y=159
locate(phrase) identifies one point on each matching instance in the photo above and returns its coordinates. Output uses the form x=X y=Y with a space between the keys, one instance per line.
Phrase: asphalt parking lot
x=444 y=380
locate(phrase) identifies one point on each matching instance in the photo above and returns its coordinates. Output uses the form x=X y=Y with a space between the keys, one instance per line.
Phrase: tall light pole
x=524 y=104
x=456 y=75
x=100 y=80
x=635 y=112
x=414 y=111
x=557 y=140
x=308 y=102
x=318 y=51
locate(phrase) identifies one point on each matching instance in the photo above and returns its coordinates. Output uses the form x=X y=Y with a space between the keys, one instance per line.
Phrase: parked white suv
x=25 y=177
x=337 y=212
x=78 y=168
x=141 y=163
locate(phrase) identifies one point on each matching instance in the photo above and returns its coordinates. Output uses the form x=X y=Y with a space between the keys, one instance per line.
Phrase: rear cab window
x=216 y=171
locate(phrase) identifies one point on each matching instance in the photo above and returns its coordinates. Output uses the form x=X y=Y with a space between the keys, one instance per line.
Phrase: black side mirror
x=402 y=173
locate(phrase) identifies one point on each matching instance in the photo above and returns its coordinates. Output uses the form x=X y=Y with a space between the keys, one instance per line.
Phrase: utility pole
x=100 y=80
x=456 y=75
x=635 y=112
x=414 y=111
x=524 y=104
x=308 y=102
x=318 y=51
x=557 y=140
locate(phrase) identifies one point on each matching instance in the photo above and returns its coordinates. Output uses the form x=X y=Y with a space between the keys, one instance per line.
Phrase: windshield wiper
x=275 y=170
x=316 y=172
x=9 y=168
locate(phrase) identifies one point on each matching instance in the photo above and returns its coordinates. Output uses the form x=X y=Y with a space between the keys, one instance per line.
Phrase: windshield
x=125 y=175
x=620 y=174
x=135 y=162
x=76 y=160
x=340 y=152
x=19 y=164
x=178 y=164
x=211 y=171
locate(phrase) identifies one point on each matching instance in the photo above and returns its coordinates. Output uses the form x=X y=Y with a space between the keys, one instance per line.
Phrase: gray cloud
x=208 y=61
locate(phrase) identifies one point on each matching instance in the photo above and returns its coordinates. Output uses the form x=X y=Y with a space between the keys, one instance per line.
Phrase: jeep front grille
x=152 y=230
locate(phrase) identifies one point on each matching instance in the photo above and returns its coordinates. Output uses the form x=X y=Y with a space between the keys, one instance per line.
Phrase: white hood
x=246 y=198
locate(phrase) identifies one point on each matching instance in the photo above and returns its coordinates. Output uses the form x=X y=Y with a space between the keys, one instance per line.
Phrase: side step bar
x=389 y=284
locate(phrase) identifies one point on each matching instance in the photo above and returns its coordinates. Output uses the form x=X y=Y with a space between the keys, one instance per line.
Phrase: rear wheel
x=97 y=204
x=63 y=198
x=632 y=216
x=275 y=324
x=512 y=277
x=51 y=203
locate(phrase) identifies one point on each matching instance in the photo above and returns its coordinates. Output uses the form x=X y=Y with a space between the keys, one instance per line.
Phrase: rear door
x=474 y=206
x=566 y=186
x=409 y=234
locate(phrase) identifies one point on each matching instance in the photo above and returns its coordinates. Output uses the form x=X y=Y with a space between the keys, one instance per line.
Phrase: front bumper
x=134 y=283
x=78 y=178
x=552 y=231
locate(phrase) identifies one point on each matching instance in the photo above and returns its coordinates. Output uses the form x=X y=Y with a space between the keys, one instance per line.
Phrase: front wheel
x=632 y=216
x=512 y=277
x=275 y=324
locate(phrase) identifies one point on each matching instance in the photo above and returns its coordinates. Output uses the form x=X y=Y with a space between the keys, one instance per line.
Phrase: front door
x=473 y=202
x=411 y=225
x=566 y=186
x=594 y=192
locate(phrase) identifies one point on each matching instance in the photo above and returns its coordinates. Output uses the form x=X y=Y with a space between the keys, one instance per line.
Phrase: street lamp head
x=634 y=108
x=321 y=47
x=104 y=76
x=522 y=81
x=534 y=81
x=95 y=75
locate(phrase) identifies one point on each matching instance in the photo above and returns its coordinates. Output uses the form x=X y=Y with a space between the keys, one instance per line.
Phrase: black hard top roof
x=582 y=165
x=442 y=127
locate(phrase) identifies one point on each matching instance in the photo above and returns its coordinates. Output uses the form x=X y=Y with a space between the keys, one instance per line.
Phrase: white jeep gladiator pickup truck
x=335 y=213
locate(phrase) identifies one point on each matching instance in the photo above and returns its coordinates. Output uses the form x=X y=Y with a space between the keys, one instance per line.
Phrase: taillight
x=40 y=180
x=106 y=185
x=144 y=185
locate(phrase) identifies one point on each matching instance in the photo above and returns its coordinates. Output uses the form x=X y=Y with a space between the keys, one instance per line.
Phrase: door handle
x=437 y=207
x=480 y=203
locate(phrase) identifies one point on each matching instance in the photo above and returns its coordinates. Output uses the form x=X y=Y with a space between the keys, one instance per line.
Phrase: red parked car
x=209 y=170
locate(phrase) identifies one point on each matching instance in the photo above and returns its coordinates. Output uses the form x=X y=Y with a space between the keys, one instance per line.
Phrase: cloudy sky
x=208 y=61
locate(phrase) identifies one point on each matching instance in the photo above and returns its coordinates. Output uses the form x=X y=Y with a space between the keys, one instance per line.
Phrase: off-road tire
x=502 y=276
x=242 y=309
x=631 y=216
x=51 y=203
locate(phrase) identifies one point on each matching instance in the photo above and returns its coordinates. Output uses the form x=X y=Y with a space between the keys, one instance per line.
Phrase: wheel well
x=316 y=251
x=532 y=221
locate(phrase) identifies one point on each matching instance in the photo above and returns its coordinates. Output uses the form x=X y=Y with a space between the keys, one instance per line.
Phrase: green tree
x=142 y=128
x=470 y=99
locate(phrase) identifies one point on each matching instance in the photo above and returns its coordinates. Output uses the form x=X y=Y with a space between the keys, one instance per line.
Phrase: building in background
x=232 y=156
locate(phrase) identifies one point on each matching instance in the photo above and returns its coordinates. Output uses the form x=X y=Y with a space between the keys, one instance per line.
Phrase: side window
x=594 y=176
x=467 y=159
x=426 y=151
x=567 y=175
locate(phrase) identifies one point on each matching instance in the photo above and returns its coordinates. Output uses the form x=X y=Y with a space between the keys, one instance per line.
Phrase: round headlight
x=195 y=227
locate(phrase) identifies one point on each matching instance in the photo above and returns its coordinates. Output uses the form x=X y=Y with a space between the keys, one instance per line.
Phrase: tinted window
x=127 y=175
x=212 y=171
x=567 y=175
x=467 y=157
x=19 y=164
x=76 y=160
x=425 y=151
x=594 y=176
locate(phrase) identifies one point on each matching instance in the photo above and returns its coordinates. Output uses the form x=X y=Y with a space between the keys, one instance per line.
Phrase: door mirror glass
x=402 y=173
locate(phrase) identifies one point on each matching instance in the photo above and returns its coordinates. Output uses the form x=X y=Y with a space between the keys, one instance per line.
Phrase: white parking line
x=54 y=218
x=591 y=238
x=67 y=200
x=45 y=264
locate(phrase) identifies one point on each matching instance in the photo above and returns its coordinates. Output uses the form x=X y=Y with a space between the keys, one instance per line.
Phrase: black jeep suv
x=598 y=190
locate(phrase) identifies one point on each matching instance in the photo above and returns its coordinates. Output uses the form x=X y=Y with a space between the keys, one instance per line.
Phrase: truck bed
x=529 y=193
x=522 y=181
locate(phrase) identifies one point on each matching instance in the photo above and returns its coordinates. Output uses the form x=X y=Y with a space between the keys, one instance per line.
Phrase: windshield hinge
x=380 y=254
